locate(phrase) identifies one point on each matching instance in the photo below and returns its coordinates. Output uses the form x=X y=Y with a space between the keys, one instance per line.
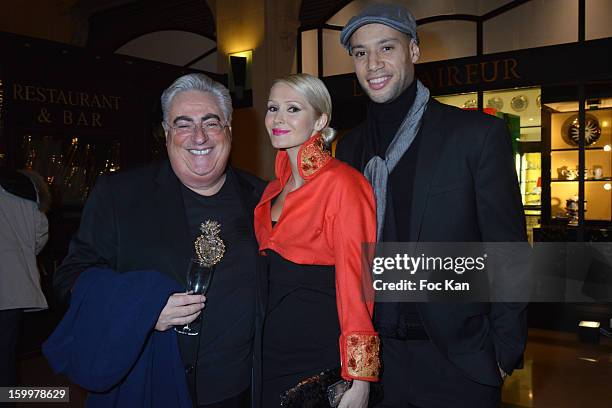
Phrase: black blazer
x=465 y=190
x=136 y=220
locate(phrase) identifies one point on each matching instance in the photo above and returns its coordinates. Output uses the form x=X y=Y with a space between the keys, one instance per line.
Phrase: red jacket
x=325 y=222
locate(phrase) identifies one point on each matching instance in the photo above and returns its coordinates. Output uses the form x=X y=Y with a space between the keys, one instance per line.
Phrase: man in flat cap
x=440 y=174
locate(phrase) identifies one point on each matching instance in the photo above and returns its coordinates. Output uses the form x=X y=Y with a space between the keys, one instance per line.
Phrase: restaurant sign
x=52 y=106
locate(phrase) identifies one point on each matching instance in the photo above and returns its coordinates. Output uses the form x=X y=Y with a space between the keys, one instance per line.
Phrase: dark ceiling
x=112 y=28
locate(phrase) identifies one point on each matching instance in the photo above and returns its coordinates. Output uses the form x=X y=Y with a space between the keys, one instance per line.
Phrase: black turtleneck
x=384 y=119
x=387 y=118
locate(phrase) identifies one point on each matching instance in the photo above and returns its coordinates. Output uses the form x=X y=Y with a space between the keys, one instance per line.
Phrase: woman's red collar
x=312 y=157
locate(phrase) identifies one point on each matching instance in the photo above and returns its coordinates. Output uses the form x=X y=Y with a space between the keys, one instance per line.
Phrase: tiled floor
x=560 y=372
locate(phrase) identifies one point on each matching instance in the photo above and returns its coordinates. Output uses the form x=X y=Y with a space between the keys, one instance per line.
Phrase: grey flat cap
x=392 y=15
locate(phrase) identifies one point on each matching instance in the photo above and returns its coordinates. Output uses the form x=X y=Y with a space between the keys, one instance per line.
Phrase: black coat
x=465 y=190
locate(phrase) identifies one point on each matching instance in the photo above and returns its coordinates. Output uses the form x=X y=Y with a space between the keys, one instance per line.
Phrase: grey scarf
x=377 y=170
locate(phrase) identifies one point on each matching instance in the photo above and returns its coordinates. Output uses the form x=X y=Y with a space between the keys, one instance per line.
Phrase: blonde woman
x=310 y=223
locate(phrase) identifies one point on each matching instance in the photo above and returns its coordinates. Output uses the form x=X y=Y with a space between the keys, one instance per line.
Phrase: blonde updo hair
x=317 y=95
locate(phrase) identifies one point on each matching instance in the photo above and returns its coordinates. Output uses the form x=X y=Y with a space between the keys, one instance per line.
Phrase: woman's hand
x=356 y=396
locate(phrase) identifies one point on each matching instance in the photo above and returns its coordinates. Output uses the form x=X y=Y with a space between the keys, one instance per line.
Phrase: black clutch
x=324 y=390
x=312 y=391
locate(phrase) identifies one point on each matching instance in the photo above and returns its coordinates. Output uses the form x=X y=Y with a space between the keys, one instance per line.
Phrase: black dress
x=301 y=328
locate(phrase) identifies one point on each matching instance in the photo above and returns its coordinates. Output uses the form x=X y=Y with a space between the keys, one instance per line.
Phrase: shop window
x=521 y=109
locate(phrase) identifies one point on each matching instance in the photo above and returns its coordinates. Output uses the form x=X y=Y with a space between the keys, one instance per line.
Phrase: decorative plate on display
x=496 y=103
x=519 y=103
x=570 y=130
x=470 y=103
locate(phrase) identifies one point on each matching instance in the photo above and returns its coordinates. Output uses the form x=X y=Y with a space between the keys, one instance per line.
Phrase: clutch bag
x=319 y=391
x=324 y=390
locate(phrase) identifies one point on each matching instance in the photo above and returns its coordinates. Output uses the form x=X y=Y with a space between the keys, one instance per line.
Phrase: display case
x=565 y=172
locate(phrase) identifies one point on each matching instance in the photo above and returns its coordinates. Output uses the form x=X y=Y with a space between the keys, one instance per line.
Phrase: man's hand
x=356 y=396
x=181 y=309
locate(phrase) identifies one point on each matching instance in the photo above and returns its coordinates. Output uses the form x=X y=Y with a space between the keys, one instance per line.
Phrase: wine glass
x=199 y=277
